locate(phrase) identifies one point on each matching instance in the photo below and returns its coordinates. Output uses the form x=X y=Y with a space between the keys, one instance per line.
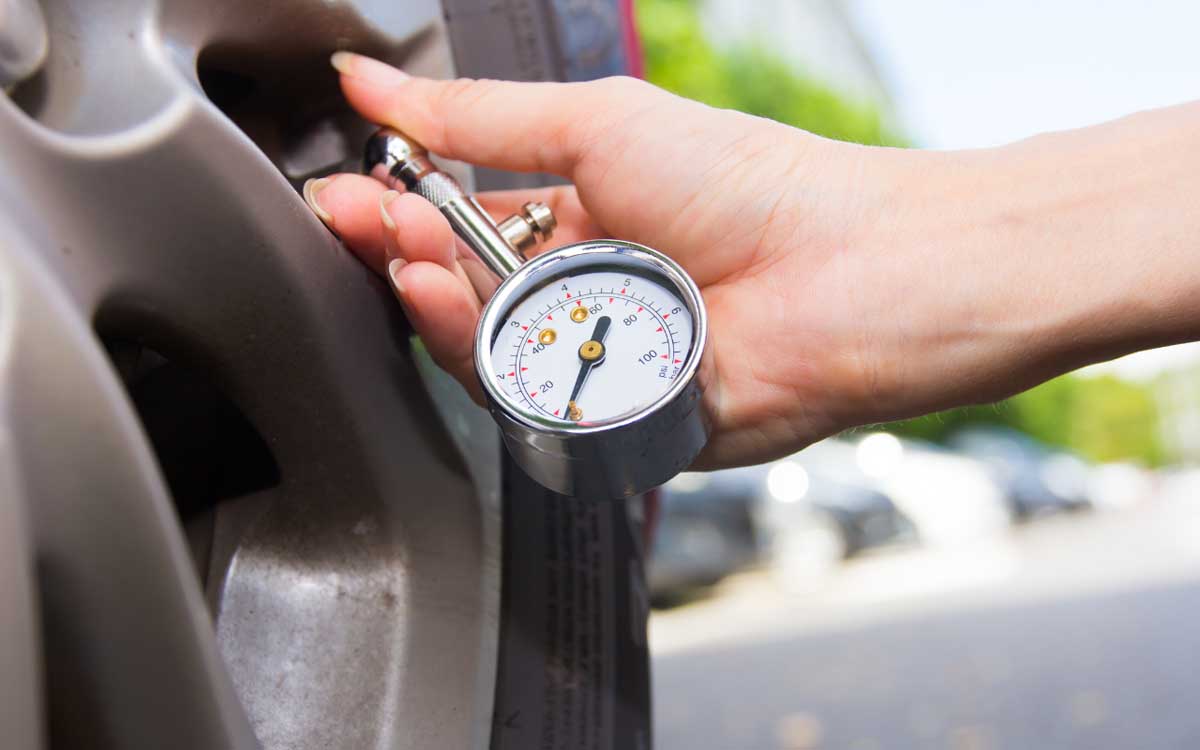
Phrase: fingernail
x=384 y=200
x=394 y=269
x=367 y=69
x=342 y=62
x=311 y=188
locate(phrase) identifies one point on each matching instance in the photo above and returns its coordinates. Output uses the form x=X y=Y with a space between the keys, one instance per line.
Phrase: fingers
x=353 y=206
x=412 y=229
x=443 y=310
x=406 y=239
x=524 y=127
x=430 y=283
x=349 y=205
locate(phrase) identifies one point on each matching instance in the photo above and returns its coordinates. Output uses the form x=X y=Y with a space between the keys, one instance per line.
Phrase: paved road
x=1077 y=632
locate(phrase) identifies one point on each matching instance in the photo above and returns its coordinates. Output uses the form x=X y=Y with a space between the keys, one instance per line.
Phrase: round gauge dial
x=591 y=347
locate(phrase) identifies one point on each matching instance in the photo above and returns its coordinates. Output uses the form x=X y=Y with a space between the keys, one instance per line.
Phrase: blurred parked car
x=706 y=529
x=949 y=498
x=1120 y=484
x=800 y=516
x=1035 y=479
x=820 y=508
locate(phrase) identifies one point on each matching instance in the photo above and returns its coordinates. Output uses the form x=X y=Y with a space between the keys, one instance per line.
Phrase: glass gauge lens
x=594 y=346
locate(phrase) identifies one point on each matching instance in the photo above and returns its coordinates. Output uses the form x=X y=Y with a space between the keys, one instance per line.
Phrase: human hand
x=717 y=190
x=844 y=284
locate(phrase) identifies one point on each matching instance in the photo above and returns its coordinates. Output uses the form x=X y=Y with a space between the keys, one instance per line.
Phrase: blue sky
x=982 y=73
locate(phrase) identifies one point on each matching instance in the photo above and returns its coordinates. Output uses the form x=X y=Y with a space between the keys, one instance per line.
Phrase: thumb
x=520 y=127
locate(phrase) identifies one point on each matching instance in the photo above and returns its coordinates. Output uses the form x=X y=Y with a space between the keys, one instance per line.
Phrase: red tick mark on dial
x=533 y=394
x=523 y=369
x=666 y=316
x=531 y=341
x=639 y=309
x=512 y=374
x=658 y=329
x=666 y=356
x=678 y=361
x=568 y=295
x=622 y=291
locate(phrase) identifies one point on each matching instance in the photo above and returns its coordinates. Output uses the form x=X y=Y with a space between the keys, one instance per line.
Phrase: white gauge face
x=592 y=347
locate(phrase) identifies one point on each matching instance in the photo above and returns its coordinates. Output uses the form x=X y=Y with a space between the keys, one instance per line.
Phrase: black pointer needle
x=589 y=357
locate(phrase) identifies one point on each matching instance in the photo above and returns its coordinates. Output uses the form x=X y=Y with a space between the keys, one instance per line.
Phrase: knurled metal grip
x=395 y=159
x=437 y=188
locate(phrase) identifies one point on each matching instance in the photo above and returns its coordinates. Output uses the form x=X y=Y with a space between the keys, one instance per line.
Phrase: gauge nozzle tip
x=391 y=156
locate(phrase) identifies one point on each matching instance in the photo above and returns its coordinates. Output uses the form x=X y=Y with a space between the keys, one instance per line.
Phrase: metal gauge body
x=591 y=355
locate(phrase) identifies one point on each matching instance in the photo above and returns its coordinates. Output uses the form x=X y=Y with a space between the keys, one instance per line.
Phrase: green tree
x=1101 y=418
x=749 y=78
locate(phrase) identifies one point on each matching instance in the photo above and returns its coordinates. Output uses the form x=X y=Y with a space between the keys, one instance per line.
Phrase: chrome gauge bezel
x=590 y=255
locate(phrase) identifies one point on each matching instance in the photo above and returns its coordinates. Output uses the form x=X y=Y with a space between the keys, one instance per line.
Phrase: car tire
x=242 y=508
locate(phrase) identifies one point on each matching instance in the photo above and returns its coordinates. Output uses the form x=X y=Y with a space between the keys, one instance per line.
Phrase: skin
x=845 y=284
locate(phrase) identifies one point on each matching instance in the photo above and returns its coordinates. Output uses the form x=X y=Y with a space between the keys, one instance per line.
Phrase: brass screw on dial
x=548 y=336
x=591 y=351
x=574 y=413
x=579 y=314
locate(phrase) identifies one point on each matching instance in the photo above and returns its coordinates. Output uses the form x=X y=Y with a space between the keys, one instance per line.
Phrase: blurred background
x=1022 y=575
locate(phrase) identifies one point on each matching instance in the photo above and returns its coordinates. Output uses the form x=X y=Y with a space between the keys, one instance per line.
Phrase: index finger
x=521 y=127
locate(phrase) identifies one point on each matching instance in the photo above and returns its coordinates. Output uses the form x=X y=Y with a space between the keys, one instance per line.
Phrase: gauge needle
x=591 y=353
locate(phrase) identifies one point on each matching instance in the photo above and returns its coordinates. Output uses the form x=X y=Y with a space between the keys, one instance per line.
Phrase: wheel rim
x=354 y=601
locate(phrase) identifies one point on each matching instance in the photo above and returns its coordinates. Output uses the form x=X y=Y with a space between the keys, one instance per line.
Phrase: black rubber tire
x=573 y=661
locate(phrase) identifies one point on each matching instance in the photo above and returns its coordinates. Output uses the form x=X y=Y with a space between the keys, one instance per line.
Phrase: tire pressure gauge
x=591 y=355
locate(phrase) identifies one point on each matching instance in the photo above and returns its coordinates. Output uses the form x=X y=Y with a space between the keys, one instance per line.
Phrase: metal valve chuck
x=394 y=158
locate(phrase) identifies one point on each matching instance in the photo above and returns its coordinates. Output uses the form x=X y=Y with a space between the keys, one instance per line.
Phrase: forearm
x=1049 y=254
